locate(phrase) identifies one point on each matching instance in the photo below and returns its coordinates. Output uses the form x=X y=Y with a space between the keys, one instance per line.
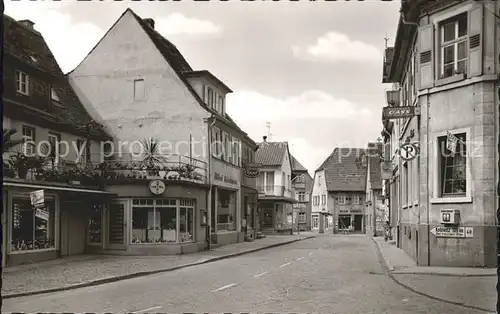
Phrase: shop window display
x=155 y=221
x=32 y=229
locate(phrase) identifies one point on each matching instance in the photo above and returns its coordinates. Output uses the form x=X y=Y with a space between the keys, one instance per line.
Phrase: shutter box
x=426 y=56
x=475 y=44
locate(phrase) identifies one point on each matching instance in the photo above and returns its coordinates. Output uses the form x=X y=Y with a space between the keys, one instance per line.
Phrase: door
x=117 y=226
x=358 y=222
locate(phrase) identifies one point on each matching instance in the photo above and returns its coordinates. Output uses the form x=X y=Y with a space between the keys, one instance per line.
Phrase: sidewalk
x=474 y=288
x=88 y=270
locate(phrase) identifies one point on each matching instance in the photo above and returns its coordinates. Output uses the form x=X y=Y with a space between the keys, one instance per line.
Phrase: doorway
x=116 y=226
x=358 y=223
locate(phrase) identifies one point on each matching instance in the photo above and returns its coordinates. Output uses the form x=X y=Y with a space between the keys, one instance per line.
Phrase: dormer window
x=22 y=82
x=214 y=100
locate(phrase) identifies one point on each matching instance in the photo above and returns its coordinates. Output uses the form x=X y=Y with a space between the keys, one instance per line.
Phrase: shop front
x=226 y=204
x=150 y=219
x=351 y=220
x=48 y=230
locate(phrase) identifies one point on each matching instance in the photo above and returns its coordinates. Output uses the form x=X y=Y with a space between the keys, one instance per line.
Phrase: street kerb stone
x=387 y=267
x=151 y=272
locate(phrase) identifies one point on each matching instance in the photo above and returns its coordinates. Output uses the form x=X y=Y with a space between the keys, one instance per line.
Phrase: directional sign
x=408 y=151
x=453 y=232
x=390 y=113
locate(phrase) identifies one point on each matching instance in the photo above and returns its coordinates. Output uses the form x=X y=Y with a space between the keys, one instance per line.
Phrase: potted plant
x=152 y=160
x=19 y=163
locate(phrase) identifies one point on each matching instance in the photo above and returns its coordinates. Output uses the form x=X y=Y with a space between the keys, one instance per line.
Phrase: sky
x=313 y=70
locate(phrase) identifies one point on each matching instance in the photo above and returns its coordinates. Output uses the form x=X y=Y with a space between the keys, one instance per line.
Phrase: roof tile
x=343 y=171
x=271 y=153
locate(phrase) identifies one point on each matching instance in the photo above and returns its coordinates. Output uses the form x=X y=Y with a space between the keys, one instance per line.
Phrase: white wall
x=104 y=83
x=319 y=189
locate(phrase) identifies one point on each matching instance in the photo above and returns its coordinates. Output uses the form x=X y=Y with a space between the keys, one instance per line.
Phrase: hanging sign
x=42 y=213
x=451 y=142
x=157 y=187
x=390 y=113
x=386 y=170
x=37 y=198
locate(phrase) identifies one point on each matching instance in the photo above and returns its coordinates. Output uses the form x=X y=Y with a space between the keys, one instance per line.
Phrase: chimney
x=27 y=23
x=264 y=138
x=150 y=22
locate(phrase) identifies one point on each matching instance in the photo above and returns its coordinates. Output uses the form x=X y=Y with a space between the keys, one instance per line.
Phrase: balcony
x=36 y=169
x=275 y=190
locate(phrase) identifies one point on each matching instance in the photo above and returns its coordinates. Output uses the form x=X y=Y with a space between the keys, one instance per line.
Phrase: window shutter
x=426 y=56
x=475 y=57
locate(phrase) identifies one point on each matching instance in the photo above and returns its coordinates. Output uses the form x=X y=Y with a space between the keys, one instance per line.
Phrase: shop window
x=32 y=229
x=302 y=218
x=226 y=211
x=162 y=221
x=95 y=224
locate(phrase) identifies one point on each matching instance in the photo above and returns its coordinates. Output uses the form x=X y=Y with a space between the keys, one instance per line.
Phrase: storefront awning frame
x=55 y=188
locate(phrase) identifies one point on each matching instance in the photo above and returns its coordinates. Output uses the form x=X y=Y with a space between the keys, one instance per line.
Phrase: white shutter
x=205 y=94
x=426 y=56
x=475 y=57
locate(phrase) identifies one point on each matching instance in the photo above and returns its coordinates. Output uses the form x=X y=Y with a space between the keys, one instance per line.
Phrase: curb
x=390 y=274
x=397 y=272
x=147 y=273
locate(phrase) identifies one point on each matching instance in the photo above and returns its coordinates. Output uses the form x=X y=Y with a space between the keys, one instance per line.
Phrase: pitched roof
x=343 y=171
x=271 y=153
x=296 y=165
x=29 y=47
x=178 y=63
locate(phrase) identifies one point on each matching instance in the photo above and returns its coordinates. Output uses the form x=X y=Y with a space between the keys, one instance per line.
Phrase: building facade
x=302 y=185
x=50 y=144
x=444 y=63
x=274 y=184
x=375 y=210
x=175 y=151
x=339 y=192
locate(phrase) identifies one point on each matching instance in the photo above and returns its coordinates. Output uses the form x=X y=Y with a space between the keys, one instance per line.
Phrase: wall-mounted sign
x=299 y=185
x=157 y=187
x=389 y=113
x=224 y=178
x=386 y=170
x=225 y=175
x=451 y=142
x=252 y=173
x=453 y=232
x=408 y=151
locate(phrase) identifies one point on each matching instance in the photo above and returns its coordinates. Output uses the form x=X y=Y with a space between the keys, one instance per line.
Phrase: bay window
x=162 y=220
x=453 y=45
x=32 y=229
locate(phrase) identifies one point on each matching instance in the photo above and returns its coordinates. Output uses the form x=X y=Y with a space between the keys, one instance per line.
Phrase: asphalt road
x=329 y=274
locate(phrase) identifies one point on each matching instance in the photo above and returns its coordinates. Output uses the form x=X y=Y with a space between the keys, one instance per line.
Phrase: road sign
x=453 y=232
x=390 y=113
x=408 y=151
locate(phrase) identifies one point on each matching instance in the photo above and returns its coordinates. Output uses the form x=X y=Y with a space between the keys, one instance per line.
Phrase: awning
x=56 y=188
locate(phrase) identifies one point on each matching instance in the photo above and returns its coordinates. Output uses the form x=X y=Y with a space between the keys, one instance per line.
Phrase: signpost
x=408 y=151
x=453 y=232
x=390 y=113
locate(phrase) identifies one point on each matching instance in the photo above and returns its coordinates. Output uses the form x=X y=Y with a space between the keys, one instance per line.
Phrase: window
x=54 y=143
x=227 y=148
x=453 y=166
x=323 y=199
x=342 y=199
x=162 y=220
x=226 y=210
x=22 y=82
x=139 y=89
x=302 y=218
x=356 y=200
x=453 y=45
x=53 y=95
x=81 y=145
x=32 y=229
x=210 y=97
x=95 y=225
x=29 y=140
x=315 y=222
x=301 y=196
x=405 y=184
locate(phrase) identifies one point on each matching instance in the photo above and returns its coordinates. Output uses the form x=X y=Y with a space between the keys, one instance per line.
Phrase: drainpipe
x=209 y=196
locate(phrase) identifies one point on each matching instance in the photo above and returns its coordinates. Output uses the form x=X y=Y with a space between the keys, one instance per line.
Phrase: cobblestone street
x=334 y=274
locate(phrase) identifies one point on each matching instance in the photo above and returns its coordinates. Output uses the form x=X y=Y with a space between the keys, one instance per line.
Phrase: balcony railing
x=171 y=167
x=275 y=190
